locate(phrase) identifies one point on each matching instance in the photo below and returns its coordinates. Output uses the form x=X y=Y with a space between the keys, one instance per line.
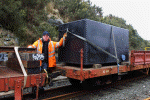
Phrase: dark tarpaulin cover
x=98 y=33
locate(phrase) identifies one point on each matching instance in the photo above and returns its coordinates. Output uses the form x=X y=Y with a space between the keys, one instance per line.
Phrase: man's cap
x=45 y=32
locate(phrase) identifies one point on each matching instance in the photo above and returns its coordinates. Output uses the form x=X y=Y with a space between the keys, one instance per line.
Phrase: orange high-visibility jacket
x=51 y=50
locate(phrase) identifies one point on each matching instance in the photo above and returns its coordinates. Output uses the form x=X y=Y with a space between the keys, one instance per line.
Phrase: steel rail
x=85 y=91
x=66 y=96
x=82 y=92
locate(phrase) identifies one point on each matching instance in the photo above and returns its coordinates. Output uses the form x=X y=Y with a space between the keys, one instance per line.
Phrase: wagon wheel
x=88 y=83
x=74 y=82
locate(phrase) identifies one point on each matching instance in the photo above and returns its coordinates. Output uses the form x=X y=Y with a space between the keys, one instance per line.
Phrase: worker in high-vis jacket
x=47 y=47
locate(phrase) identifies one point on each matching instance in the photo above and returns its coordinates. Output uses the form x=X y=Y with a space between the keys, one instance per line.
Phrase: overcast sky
x=135 y=12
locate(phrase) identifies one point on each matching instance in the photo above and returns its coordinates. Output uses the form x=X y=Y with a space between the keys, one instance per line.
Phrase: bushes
x=27 y=19
x=76 y=10
x=20 y=16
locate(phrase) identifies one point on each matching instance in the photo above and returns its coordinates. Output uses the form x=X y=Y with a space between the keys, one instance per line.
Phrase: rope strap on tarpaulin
x=21 y=65
x=115 y=48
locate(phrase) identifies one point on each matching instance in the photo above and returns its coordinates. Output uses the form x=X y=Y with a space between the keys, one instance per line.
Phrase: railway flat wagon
x=19 y=69
x=139 y=60
x=111 y=44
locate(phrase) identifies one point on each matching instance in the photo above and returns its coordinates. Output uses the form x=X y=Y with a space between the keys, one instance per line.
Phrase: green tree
x=20 y=16
x=78 y=9
x=135 y=41
x=27 y=18
x=11 y=17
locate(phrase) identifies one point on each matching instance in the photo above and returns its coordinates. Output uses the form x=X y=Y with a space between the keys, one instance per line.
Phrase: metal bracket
x=38 y=81
x=18 y=90
x=6 y=84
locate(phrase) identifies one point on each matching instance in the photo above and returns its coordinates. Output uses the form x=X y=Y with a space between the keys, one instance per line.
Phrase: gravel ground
x=135 y=90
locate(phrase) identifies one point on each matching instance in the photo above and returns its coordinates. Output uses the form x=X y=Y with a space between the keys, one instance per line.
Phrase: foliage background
x=27 y=19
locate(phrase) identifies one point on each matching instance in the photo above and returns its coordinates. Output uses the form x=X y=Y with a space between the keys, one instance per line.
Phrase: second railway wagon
x=19 y=69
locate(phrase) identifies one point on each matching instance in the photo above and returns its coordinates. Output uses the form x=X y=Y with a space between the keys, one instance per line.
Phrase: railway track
x=67 y=92
x=84 y=91
x=67 y=96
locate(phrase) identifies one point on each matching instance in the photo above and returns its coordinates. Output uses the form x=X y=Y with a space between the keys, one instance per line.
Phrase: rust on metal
x=37 y=91
x=6 y=84
x=10 y=78
x=18 y=90
x=81 y=72
x=20 y=49
x=14 y=64
x=138 y=60
x=6 y=72
x=140 y=57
